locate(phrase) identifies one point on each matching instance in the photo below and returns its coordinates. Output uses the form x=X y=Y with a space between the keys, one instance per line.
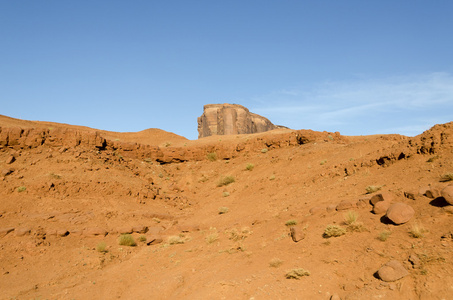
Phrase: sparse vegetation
x=127 y=240
x=249 y=167
x=142 y=238
x=432 y=158
x=55 y=176
x=384 y=235
x=417 y=231
x=167 y=144
x=223 y=210
x=212 y=236
x=323 y=162
x=350 y=217
x=291 y=223
x=296 y=273
x=101 y=247
x=275 y=262
x=334 y=231
x=372 y=189
x=176 y=239
x=330 y=137
x=272 y=177
x=21 y=189
x=446 y=177
x=264 y=150
x=157 y=220
x=237 y=235
x=212 y=156
x=225 y=194
x=226 y=180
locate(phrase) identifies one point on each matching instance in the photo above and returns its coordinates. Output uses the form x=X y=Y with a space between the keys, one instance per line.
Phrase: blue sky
x=357 y=67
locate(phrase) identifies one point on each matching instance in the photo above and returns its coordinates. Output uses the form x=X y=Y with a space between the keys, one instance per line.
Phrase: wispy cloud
x=405 y=104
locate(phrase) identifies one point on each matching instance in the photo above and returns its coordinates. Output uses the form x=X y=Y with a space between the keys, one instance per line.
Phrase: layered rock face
x=224 y=119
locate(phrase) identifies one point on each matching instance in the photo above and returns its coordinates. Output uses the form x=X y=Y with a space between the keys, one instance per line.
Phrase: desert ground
x=285 y=214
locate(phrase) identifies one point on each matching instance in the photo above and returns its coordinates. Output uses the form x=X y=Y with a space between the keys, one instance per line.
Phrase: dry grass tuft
x=333 y=231
x=275 y=262
x=142 y=238
x=372 y=188
x=249 y=167
x=226 y=180
x=351 y=217
x=384 y=235
x=127 y=240
x=176 y=239
x=417 y=231
x=101 y=247
x=223 y=210
x=291 y=223
x=296 y=273
x=211 y=156
x=212 y=236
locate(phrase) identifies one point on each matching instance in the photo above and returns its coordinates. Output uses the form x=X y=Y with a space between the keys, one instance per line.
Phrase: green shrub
x=21 y=189
x=127 y=240
x=264 y=150
x=226 y=180
x=225 y=194
x=142 y=238
x=323 y=162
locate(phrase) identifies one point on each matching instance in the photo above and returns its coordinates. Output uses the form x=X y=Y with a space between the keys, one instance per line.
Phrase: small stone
x=447 y=193
x=392 y=271
x=140 y=229
x=381 y=207
x=432 y=193
x=345 y=205
x=414 y=260
x=22 y=231
x=5 y=231
x=10 y=160
x=62 y=232
x=124 y=230
x=400 y=213
x=94 y=231
x=317 y=210
x=6 y=172
x=297 y=233
x=409 y=195
x=154 y=230
x=384 y=196
x=335 y=297
x=154 y=240
x=331 y=207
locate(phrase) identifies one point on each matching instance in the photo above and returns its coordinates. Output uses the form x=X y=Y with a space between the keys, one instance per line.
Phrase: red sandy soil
x=69 y=182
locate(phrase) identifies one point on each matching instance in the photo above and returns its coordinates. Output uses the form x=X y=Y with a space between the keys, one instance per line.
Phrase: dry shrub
x=176 y=239
x=127 y=240
x=238 y=235
x=333 y=231
x=446 y=177
x=249 y=167
x=226 y=180
x=384 y=235
x=101 y=247
x=291 y=223
x=212 y=236
x=212 y=156
x=223 y=210
x=372 y=189
x=417 y=231
x=275 y=262
x=296 y=273
x=350 y=217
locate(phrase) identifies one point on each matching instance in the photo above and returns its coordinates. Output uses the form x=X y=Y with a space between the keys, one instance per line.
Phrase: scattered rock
x=447 y=193
x=10 y=160
x=140 y=229
x=345 y=205
x=22 y=231
x=448 y=209
x=331 y=207
x=154 y=240
x=400 y=213
x=414 y=260
x=422 y=190
x=94 y=231
x=362 y=203
x=62 y=232
x=381 y=207
x=384 y=196
x=335 y=297
x=409 y=195
x=6 y=172
x=392 y=271
x=5 y=231
x=124 y=230
x=317 y=210
x=297 y=233
x=154 y=230
x=432 y=193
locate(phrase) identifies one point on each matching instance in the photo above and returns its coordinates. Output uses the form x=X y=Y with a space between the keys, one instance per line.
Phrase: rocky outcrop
x=225 y=119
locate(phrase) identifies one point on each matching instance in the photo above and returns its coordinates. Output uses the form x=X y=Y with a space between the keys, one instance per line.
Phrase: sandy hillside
x=216 y=218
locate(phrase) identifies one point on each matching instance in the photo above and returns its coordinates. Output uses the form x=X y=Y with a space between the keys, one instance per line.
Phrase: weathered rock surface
x=225 y=119
x=344 y=205
x=447 y=193
x=400 y=213
x=384 y=196
x=297 y=233
x=392 y=271
x=381 y=207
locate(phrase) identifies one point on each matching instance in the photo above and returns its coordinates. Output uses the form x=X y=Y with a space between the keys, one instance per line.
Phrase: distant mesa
x=226 y=119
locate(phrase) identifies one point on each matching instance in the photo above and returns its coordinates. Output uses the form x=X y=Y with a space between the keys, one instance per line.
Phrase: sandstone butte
x=212 y=218
x=228 y=119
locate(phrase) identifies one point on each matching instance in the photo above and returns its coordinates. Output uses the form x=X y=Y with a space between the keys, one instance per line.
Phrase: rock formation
x=224 y=119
